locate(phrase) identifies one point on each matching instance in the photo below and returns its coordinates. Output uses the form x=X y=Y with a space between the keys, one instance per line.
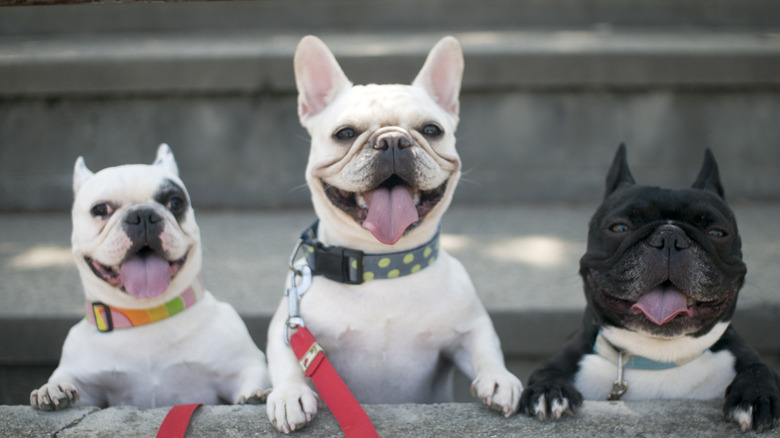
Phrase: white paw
x=291 y=408
x=51 y=397
x=742 y=417
x=539 y=408
x=498 y=390
x=257 y=397
x=558 y=407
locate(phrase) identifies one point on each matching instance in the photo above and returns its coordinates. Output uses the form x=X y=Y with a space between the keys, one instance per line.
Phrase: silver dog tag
x=619 y=388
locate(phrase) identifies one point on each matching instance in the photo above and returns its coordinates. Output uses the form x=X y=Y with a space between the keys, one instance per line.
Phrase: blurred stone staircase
x=551 y=88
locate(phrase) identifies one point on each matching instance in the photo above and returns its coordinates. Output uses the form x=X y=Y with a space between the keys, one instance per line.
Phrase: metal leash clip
x=300 y=281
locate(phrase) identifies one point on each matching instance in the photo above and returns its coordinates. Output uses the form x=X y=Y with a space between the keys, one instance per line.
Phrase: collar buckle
x=102 y=314
x=337 y=263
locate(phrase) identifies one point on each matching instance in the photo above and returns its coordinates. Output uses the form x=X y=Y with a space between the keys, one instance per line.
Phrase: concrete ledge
x=596 y=419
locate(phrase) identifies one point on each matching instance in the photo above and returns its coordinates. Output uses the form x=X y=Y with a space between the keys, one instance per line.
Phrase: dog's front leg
x=480 y=358
x=753 y=397
x=252 y=385
x=59 y=392
x=550 y=390
x=291 y=403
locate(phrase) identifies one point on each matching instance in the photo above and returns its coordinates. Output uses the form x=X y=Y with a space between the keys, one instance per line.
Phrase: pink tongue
x=390 y=212
x=145 y=277
x=661 y=305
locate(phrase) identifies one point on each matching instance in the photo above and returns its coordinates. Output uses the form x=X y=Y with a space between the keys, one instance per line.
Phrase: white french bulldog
x=382 y=170
x=153 y=335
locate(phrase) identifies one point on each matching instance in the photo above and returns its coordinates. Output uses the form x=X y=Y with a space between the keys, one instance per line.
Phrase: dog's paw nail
x=559 y=407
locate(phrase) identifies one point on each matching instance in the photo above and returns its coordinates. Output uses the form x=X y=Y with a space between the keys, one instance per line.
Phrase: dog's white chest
x=705 y=377
x=391 y=339
x=194 y=355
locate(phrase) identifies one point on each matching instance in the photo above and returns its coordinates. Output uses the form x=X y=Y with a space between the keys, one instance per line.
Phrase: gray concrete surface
x=595 y=419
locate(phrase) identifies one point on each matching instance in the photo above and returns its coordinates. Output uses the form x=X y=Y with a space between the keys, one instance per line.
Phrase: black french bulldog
x=662 y=272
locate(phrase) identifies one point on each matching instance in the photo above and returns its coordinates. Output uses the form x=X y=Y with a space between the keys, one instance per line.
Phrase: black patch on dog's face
x=144 y=226
x=173 y=197
x=642 y=238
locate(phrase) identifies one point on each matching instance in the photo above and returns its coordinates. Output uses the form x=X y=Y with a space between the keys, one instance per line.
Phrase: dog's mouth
x=388 y=210
x=145 y=274
x=666 y=303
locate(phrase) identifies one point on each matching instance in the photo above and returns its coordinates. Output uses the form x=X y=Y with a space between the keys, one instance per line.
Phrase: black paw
x=753 y=398
x=550 y=399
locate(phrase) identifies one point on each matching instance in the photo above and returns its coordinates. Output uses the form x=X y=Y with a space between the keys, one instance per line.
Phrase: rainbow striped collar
x=108 y=318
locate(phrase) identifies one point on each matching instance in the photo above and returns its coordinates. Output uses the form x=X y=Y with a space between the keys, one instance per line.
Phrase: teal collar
x=625 y=360
x=604 y=348
x=352 y=266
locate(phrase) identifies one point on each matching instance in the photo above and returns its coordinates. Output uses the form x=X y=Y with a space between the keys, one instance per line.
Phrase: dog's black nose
x=143 y=224
x=394 y=153
x=391 y=140
x=669 y=237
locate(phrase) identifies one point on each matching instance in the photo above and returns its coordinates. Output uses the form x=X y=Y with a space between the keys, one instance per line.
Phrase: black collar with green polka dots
x=352 y=266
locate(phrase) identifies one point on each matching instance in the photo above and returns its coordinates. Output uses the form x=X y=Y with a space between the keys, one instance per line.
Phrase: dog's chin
x=355 y=205
x=693 y=318
x=117 y=276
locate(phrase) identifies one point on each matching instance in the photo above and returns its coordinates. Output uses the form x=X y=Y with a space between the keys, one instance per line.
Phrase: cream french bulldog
x=393 y=311
x=153 y=335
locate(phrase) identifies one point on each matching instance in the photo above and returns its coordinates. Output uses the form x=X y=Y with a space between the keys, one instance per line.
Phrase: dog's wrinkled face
x=664 y=262
x=134 y=232
x=383 y=158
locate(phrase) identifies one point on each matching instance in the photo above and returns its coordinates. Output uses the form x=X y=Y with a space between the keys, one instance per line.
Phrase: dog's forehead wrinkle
x=387 y=105
x=111 y=184
x=678 y=202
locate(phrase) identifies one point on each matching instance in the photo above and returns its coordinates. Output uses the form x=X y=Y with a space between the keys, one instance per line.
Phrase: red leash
x=352 y=418
x=176 y=421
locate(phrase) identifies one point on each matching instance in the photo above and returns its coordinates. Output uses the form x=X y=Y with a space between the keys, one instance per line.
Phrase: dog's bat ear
x=80 y=174
x=618 y=174
x=165 y=159
x=442 y=73
x=709 y=177
x=318 y=76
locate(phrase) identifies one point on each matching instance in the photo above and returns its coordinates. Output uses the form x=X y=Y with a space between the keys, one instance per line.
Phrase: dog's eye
x=345 y=134
x=619 y=228
x=431 y=130
x=102 y=210
x=176 y=205
x=716 y=232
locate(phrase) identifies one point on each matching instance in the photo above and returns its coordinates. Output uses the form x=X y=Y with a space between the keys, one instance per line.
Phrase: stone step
x=374 y=15
x=690 y=418
x=523 y=259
